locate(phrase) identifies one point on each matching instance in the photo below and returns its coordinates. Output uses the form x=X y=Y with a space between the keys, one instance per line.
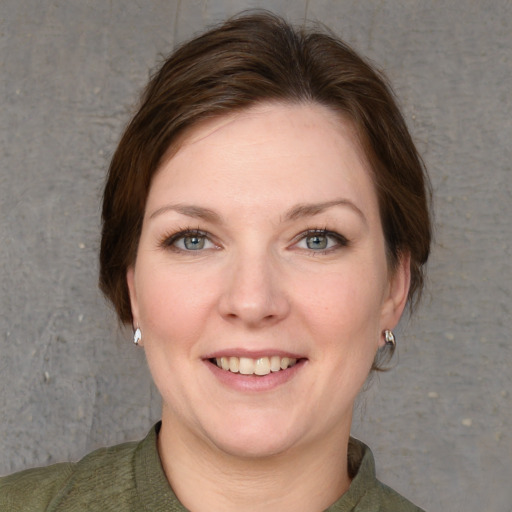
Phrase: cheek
x=173 y=305
x=342 y=310
x=344 y=293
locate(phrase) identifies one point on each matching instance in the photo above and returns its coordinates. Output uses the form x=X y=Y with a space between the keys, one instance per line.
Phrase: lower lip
x=255 y=383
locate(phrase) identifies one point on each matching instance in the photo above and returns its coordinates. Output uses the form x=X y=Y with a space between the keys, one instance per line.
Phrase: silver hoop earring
x=390 y=338
x=137 y=336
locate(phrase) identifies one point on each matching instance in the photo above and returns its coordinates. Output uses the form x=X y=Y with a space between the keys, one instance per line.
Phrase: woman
x=265 y=223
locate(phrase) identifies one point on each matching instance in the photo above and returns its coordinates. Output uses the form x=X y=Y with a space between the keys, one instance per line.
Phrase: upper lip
x=252 y=354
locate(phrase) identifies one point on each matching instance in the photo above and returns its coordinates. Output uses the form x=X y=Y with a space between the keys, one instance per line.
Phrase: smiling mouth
x=248 y=366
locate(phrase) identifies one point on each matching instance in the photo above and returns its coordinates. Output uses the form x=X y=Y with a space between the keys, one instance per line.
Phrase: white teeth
x=234 y=364
x=275 y=363
x=260 y=366
x=246 y=366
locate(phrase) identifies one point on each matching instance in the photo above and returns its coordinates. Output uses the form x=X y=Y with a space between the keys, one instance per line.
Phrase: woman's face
x=262 y=252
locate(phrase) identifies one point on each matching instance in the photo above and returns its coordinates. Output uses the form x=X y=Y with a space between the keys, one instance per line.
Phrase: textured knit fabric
x=129 y=478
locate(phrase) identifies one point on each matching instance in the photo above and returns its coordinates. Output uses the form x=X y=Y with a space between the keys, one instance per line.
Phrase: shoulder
x=98 y=476
x=382 y=498
x=32 y=489
x=366 y=493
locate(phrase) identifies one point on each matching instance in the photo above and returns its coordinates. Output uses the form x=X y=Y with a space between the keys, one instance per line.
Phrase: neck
x=308 y=479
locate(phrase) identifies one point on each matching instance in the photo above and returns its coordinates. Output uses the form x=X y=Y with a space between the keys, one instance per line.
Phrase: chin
x=254 y=439
x=252 y=446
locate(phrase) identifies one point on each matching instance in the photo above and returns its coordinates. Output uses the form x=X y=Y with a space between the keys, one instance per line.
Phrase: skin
x=255 y=287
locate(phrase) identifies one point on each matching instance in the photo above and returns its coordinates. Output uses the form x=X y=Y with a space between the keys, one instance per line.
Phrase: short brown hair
x=249 y=59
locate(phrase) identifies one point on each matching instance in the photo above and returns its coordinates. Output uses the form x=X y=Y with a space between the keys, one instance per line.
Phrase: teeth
x=246 y=366
x=261 y=366
x=234 y=364
x=275 y=363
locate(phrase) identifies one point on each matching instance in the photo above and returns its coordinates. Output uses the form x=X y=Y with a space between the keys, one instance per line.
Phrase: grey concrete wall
x=70 y=380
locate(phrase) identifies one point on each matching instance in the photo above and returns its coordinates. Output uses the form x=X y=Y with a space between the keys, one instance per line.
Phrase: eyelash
x=340 y=240
x=168 y=241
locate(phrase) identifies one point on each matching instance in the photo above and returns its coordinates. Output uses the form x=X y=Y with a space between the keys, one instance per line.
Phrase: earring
x=137 y=336
x=390 y=338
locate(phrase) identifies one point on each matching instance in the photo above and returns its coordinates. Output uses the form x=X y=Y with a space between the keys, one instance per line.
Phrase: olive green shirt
x=129 y=477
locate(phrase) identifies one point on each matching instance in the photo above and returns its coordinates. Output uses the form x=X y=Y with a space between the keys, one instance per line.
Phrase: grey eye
x=321 y=240
x=194 y=242
x=189 y=240
x=317 y=242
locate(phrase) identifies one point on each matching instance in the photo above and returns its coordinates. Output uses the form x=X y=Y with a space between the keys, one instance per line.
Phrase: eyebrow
x=197 y=212
x=297 y=212
x=311 y=209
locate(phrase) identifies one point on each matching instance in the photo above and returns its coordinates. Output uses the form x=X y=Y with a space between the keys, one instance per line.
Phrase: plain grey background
x=70 y=379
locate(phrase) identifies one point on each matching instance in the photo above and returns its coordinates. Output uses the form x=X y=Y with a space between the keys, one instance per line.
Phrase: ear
x=130 y=280
x=397 y=293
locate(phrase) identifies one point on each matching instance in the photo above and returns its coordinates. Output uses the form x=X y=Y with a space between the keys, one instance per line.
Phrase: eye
x=321 y=240
x=189 y=240
x=317 y=242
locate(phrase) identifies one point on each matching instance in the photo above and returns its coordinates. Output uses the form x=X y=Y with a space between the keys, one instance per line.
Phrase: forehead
x=265 y=114
x=281 y=150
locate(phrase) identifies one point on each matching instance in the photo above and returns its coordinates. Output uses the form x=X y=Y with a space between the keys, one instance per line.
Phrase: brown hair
x=248 y=59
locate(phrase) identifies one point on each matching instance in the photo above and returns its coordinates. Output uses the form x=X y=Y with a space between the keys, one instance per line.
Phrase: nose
x=254 y=293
